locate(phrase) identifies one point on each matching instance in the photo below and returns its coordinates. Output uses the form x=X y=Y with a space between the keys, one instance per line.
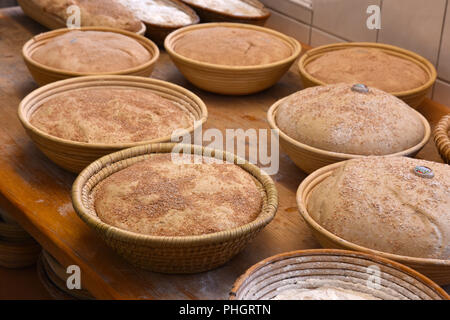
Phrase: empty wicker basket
x=182 y=254
x=359 y=272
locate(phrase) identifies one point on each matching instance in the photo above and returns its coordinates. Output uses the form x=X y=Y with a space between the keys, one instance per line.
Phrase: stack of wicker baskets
x=17 y=248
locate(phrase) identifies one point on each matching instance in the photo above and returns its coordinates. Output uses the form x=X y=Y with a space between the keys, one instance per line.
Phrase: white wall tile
x=320 y=38
x=294 y=10
x=441 y=92
x=414 y=25
x=444 y=55
x=289 y=26
x=344 y=18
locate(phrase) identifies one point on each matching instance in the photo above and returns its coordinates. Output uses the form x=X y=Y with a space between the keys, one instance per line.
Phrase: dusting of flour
x=235 y=7
x=322 y=293
x=157 y=12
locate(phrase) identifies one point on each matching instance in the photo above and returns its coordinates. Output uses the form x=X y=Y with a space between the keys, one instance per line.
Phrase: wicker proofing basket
x=159 y=32
x=43 y=74
x=211 y=15
x=55 y=279
x=309 y=158
x=309 y=269
x=231 y=80
x=47 y=19
x=75 y=156
x=413 y=97
x=442 y=138
x=188 y=254
x=437 y=270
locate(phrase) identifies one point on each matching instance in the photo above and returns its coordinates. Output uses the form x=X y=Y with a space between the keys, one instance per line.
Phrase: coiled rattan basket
x=360 y=272
x=183 y=254
x=442 y=138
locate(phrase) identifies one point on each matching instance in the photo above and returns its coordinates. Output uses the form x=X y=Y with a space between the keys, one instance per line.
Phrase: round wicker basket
x=442 y=138
x=309 y=269
x=309 y=158
x=43 y=74
x=413 y=97
x=182 y=254
x=435 y=269
x=75 y=156
x=231 y=80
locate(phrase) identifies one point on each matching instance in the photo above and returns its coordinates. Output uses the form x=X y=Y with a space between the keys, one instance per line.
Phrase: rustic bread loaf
x=232 y=46
x=339 y=119
x=163 y=197
x=370 y=66
x=110 y=115
x=232 y=7
x=91 y=52
x=104 y=13
x=381 y=203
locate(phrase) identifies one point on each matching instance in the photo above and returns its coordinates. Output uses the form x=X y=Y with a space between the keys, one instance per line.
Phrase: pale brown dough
x=369 y=66
x=232 y=46
x=92 y=52
x=110 y=115
x=158 y=196
x=335 y=118
x=381 y=204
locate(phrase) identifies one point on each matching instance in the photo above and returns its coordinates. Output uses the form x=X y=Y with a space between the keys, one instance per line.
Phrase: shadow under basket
x=179 y=254
x=442 y=138
x=412 y=97
x=436 y=269
x=359 y=272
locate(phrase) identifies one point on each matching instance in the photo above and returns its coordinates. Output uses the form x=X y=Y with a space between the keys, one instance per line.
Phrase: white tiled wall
x=422 y=26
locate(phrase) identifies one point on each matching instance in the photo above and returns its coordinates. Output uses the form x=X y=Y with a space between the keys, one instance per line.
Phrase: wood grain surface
x=39 y=190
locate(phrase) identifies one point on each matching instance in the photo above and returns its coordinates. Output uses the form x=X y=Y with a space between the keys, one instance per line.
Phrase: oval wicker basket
x=43 y=74
x=413 y=97
x=54 y=278
x=159 y=32
x=73 y=155
x=211 y=15
x=309 y=269
x=435 y=269
x=309 y=158
x=231 y=80
x=442 y=138
x=182 y=254
x=47 y=19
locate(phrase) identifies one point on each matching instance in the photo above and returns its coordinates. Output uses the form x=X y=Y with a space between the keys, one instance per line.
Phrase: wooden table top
x=37 y=192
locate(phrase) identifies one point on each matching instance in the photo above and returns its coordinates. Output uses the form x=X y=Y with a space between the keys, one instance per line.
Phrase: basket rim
x=271 y=113
x=339 y=253
x=302 y=208
x=293 y=43
x=418 y=59
x=442 y=137
x=234 y=16
x=54 y=33
x=185 y=8
x=86 y=80
x=266 y=215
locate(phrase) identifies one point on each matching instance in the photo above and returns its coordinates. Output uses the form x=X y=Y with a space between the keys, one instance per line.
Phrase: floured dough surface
x=322 y=293
x=105 y=13
x=232 y=46
x=335 y=118
x=110 y=115
x=233 y=7
x=372 y=67
x=92 y=52
x=158 y=12
x=381 y=204
x=159 y=196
